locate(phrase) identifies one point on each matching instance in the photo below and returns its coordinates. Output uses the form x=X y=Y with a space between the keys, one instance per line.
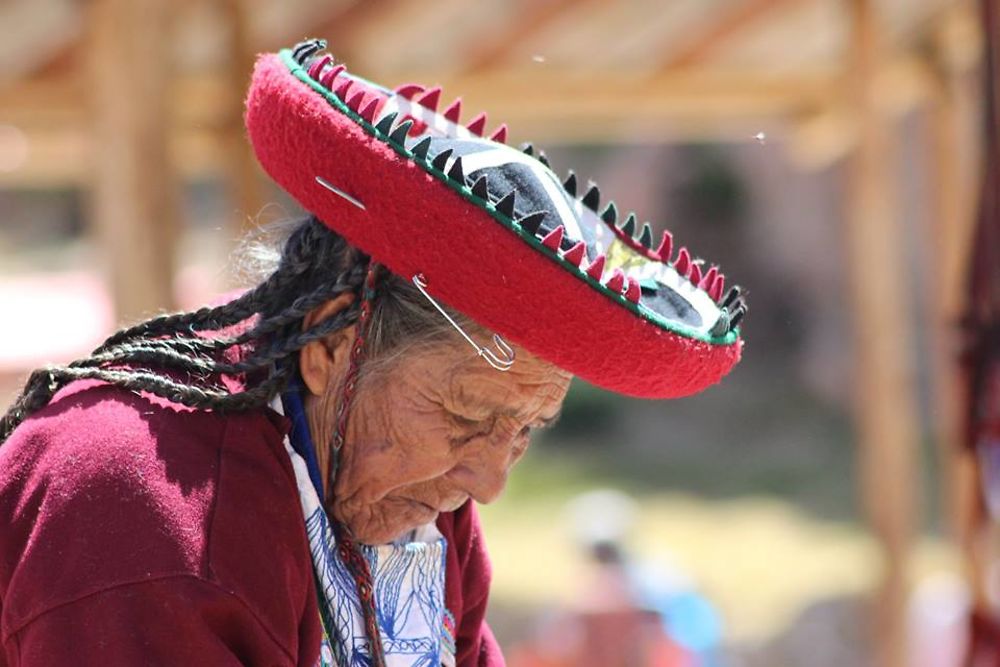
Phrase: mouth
x=441 y=508
x=424 y=507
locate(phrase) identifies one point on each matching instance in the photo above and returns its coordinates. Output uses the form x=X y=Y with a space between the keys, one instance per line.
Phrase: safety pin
x=501 y=363
x=337 y=191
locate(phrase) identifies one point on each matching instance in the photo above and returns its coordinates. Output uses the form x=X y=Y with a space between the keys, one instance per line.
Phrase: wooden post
x=133 y=209
x=952 y=134
x=242 y=175
x=886 y=414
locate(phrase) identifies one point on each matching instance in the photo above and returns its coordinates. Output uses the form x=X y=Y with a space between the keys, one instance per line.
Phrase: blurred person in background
x=290 y=477
x=625 y=611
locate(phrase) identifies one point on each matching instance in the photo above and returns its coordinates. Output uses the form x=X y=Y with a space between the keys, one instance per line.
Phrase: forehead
x=454 y=373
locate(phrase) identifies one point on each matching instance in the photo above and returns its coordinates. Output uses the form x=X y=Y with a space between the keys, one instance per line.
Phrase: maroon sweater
x=135 y=531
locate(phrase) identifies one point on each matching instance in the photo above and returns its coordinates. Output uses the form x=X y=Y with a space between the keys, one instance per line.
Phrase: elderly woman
x=290 y=478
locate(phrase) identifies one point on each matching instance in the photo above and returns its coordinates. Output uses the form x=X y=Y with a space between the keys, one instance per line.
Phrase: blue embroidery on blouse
x=409 y=585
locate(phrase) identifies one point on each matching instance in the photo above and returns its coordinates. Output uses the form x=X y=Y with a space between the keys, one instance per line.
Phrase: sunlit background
x=824 y=152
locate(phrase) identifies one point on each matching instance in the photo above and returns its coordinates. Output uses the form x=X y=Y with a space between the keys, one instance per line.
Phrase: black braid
x=174 y=357
x=167 y=357
x=162 y=385
x=295 y=263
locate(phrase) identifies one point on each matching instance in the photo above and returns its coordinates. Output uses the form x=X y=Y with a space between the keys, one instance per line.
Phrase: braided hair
x=182 y=356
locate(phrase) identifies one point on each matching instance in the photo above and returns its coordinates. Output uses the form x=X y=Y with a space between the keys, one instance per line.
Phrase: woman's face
x=442 y=427
x=439 y=426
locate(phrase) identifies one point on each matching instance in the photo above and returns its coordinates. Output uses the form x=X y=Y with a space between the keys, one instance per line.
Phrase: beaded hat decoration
x=491 y=230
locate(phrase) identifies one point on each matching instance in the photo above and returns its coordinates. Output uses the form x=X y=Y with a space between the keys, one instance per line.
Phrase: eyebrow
x=500 y=410
x=547 y=422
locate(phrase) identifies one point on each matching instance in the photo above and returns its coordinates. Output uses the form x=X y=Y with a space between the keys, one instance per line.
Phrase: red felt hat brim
x=416 y=223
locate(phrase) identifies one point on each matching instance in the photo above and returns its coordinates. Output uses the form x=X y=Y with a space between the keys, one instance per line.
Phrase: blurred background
x=815 y=508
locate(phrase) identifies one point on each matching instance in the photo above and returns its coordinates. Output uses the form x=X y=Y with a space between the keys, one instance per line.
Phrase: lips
x=422 y=507
x=442 y=507
x=426 y=506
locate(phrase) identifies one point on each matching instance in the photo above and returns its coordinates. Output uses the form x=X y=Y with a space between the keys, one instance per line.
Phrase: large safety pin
x=337 y=191
x=501 y=363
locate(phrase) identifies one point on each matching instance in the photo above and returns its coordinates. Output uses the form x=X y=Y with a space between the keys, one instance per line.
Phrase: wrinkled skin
x=439 y=426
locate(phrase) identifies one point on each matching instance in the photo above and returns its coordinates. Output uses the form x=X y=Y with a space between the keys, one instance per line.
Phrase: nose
x=490 y=485
x=483 y=483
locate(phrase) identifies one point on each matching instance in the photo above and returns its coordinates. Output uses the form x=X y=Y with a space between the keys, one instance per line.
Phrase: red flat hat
x=494 y=232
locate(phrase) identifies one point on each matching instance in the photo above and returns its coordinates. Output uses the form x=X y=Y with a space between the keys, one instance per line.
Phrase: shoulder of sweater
x=92 y=419
x=104 y=485
x=119 y=461
x=464 y=532
x=94 y=443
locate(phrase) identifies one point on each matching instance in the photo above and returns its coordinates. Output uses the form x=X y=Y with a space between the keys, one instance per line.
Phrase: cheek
x=425 y=446
x=403 y=449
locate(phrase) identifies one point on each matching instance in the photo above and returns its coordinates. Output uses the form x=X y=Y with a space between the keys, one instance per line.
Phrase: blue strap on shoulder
x=300 y=437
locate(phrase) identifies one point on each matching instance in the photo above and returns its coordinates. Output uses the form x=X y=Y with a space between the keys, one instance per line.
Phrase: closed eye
x=475 y=428
x=470 y=429
x=542 y=425
x=465 y=422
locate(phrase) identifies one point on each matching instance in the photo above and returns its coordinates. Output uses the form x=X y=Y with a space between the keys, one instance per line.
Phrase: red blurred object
x=612 y=638
x=982 y=317
x=981 y=358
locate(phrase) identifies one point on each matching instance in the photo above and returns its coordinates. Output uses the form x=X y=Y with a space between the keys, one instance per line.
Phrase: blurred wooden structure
x=832 y=78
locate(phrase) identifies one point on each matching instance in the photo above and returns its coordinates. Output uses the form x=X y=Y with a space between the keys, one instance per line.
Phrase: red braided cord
x=351 y=379
x=347 y=548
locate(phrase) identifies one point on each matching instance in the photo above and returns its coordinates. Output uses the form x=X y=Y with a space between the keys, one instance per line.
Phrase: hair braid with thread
x=182 y=356
x=173 y=356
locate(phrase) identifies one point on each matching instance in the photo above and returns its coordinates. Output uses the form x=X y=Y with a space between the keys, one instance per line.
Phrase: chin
x=382 y=534
x=374 y=539
x=451 y=507
x=377 y=537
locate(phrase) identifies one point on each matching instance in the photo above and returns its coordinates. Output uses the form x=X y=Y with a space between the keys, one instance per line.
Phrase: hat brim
x=417 y=221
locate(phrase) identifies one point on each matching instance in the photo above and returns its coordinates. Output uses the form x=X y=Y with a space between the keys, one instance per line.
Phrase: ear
x=326 y=359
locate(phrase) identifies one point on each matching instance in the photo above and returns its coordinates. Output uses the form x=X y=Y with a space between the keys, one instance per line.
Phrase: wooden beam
x=557 y=94
x=909 y=80
x=133 y=210
x=885 y=407
x=339 y=25
x=822 y=137
x=44 y=33
x=198 y=100
x=725 y=23
x=205 y=109
x=493 y=45
x=242 y=176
